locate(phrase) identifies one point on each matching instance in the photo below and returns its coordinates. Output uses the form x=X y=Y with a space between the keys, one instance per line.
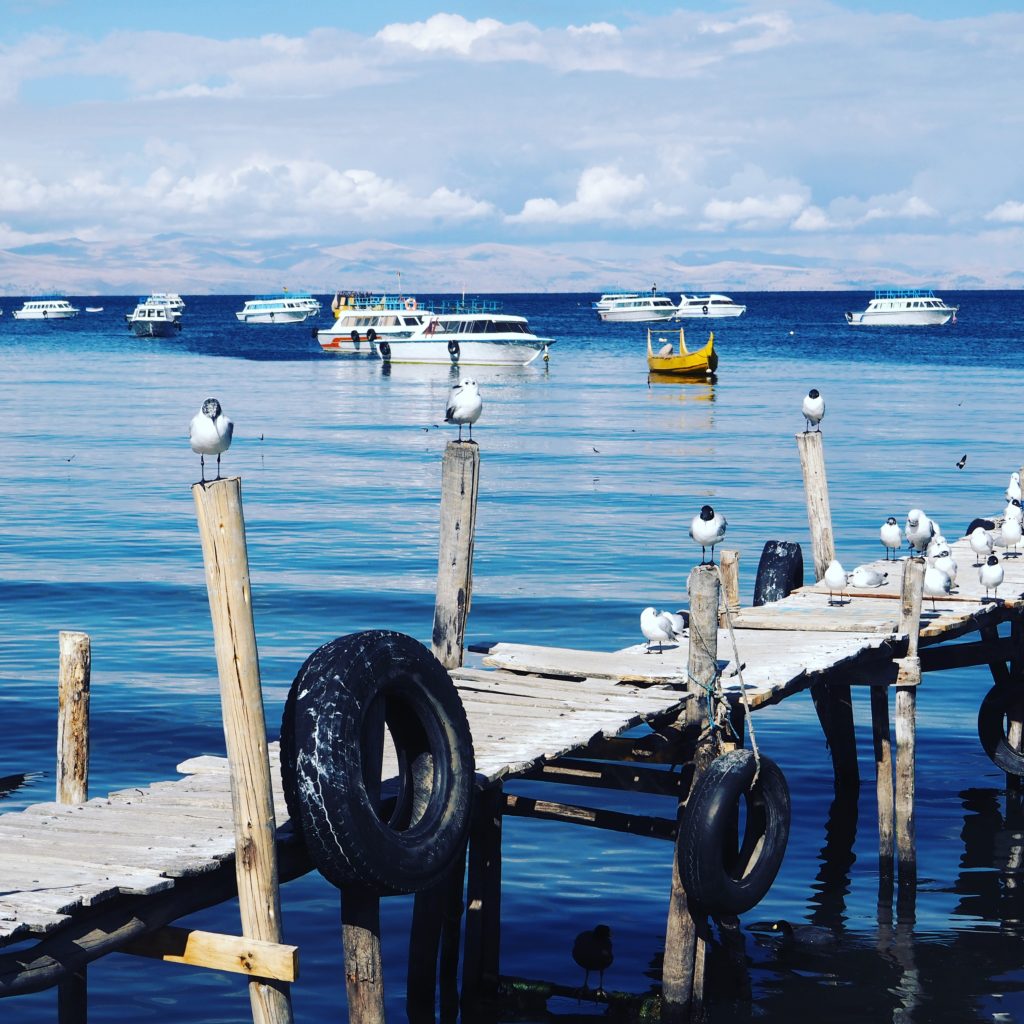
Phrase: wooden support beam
x=73 y=683
x=833 y=703
x=819 y=513
x=600 y=775
x=460 y=484
x=729 y=563
x=686 y=931
x=222 y=531
x=218 y=952
x=882 y=741
x=481 y=955
x=360 y=939
x=595 y=817
x=997 y=666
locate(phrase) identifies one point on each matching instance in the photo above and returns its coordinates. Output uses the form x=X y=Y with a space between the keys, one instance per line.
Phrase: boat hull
x=709 y=312
x=900 y=318
x=685 y=365
x=636 y=315
x=154 y=328
x=343 y=345
x=459 y=353
x=33 y=314
x=288 y=316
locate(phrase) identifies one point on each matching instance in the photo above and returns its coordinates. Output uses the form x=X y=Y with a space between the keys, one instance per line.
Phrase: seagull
x=209 y=433
x=981 y=543
x=891 y=536
x=991 y=575
x=936 y=583
x=593 y=952
x=813 y=409
x=919 y=530
x=937 y=543
x=1013 y=510
x=835 y=579
x=708 y=529
x=1013 y=487
x=943 y=561
x=1010 y=534
x=659 y=627
x=464 y=405
x=865 y=576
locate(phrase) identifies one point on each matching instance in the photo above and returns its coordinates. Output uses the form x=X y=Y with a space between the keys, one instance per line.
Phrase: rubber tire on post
x=721 y=880
x=384 y=349
x=371 y=335
x=355 y=337
x=705 y=310
x=780 y=571
x=322 y=762
x=998 y=701
x=454 y=351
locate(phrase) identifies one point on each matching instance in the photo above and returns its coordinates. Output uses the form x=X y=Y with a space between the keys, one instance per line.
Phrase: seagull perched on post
x=464 y=405
x=708 y=529
x=209 y=433
x=659 y=627
x=891 y=536
x=991 y=575
x=919 y=530
x=813 y=409
x=593 y=952
x=835 y=579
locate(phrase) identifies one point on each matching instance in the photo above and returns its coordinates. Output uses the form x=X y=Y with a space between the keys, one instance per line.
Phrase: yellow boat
x=701 y=363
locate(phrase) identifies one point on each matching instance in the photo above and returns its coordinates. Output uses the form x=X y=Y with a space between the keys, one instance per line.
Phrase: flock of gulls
x=922 y=534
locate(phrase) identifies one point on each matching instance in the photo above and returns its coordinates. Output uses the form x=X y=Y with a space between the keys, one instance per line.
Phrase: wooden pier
x=89 y=877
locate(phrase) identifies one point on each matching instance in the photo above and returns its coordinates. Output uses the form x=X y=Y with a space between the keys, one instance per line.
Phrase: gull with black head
x=210 y=433
x=464 y=405
x=707 y=528
x=813 y=408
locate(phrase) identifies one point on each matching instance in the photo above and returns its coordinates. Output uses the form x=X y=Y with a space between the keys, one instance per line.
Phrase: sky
x=526 y=146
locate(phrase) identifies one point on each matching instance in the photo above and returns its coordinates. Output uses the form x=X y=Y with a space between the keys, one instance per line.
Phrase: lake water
x=589 y=479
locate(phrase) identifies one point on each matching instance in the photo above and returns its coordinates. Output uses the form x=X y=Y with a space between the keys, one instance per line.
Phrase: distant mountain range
x=189 y=264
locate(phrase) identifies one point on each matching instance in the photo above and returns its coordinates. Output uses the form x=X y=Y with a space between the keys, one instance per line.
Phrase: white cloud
x=440 y=32
x=753 y=211
x=596 y=28
x=748 y=35
x=812 y=218
x=602 y=194
x=1010 y=212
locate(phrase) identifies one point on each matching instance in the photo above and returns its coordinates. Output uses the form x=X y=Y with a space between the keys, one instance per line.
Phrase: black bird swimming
x=593 y=952
x=804 y=934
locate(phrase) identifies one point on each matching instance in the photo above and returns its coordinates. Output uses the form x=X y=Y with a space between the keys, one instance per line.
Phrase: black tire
x=454 y=351
x=718 y=877
x=780 y=571
x=985 y=524
x=992 y=715
x=384 y=349
x=386 y=845
x=371 y=335
x=355 y=337
x=705 y=310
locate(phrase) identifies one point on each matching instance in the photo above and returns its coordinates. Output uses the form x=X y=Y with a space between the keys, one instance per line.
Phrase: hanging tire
x=454 y=351
x=354 y=834
x=719 y=878
x=355 y=337
x=384 y=349
x=704 y=310
x=999 y=702
x=371 y=335
x=780 y=571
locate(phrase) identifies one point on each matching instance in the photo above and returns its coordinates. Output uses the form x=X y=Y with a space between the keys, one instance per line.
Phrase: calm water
x=589 y=479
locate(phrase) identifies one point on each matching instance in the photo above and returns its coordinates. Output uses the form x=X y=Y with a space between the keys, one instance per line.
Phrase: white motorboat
x=904 y=307
x=153 y=319
x=172 y=299
x=285 y=308
x=361 y=318
x=46 y=309
x=467 y=334
x=634 y=306
x=94 y=309
x=712 y=305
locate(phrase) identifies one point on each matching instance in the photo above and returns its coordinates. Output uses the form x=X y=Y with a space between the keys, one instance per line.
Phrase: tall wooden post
x=74 y=678
x=360 y=936
x=907 y=680
x=222 y=531
x=460 y=483
x=480 y=964
x=685 y=933
x=882 y=737
x=819 y=513
x=729 y=563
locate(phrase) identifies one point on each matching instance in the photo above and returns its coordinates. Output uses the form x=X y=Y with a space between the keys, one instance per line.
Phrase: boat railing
x=904 y=293
x=467 y=306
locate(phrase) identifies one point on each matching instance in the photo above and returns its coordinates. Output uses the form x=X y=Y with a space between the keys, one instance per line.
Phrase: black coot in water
x=804 y=934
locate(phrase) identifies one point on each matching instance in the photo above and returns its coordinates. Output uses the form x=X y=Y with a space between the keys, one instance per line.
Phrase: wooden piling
x=729 y=563
x=882 y=737
x=819 y=513
x=74 y=678
x=222 y=531
x=481 y=956
x=907 y=680
x=460 y=484
x=360 y=936
x=833 y=702
x=686 y=932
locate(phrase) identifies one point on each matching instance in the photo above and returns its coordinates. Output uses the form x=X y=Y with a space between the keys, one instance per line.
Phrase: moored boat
x=904 y=307
x=152 y=319
x=633 y=307
x=361 y=318
x=283 y=308
x=711 y=305
x=46 y=309
x=683 y=364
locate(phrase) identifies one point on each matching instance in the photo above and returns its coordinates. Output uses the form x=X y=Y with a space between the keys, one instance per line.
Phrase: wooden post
x=882 y=736
x=833 y=703
x=222 y=531
x=685 y=934
x=460 y=483
x=481 y=958
x=819 y=514
x=907 y=681
x=74 y=677
x=729 y=563
x=360 y=936
x=1014 y=724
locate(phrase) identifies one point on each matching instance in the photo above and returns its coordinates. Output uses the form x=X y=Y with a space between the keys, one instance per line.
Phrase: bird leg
x=202 y=469
x=218 y=465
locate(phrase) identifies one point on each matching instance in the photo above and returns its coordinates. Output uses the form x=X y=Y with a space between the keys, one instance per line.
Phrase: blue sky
x=853 y=141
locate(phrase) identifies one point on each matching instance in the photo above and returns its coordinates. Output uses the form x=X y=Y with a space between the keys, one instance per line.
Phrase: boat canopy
x=904 y=293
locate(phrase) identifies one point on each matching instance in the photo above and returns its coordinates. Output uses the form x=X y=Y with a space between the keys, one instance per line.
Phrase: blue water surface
x=590 y=475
